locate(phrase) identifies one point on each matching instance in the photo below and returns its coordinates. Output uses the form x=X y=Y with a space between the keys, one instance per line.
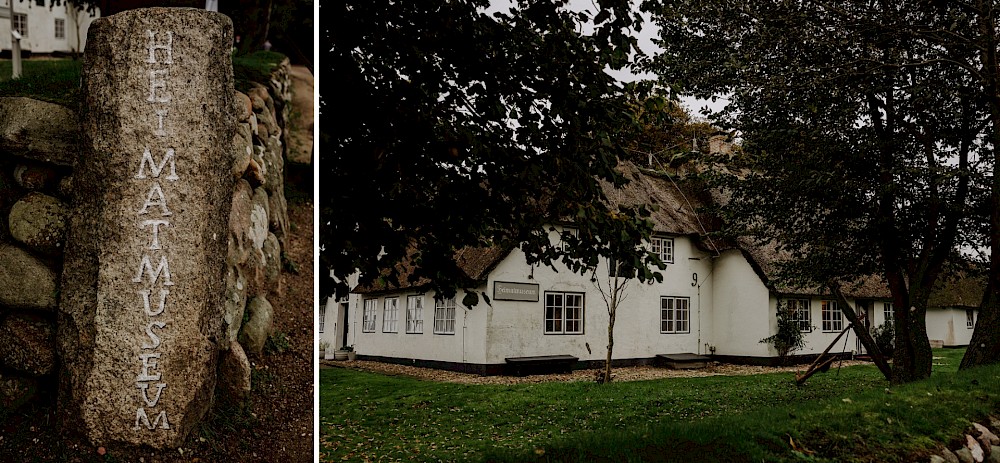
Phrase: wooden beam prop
x=863 y=335
x=820 y=363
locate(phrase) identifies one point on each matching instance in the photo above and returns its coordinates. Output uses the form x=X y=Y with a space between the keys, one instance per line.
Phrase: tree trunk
x=611 y=345
x=984 y=348
x=912 y=358
x=862 y=333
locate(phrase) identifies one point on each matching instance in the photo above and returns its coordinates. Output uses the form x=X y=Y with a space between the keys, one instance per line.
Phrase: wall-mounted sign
x=505 y=291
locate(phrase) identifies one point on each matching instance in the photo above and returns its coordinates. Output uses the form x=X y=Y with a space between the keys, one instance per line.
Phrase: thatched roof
x=960 y=291
x=675 y=211
x=475 y=262
x=766 y=259
x=676 y=204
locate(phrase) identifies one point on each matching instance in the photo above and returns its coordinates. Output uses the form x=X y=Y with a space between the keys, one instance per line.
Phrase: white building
x=44 y=30
x=715 y=299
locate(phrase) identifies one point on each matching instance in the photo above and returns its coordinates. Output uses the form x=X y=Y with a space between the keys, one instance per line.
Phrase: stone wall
x=38 y=142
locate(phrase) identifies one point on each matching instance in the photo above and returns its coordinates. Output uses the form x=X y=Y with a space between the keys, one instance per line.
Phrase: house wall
x=819 y=339
x=465 y=345
x=742 y=312
x=41 y=27
x=949 y=326
x=730 y=309
x=517 y=329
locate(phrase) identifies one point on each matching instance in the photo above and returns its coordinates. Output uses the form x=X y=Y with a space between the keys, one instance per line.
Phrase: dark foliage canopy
x=443 y=126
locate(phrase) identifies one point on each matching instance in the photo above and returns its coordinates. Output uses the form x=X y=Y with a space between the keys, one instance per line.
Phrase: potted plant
x=323 y=346
x=351 y=355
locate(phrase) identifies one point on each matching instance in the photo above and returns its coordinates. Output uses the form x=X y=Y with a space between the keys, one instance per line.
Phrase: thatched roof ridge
x=475 y=262
x=766 y=260
x=959 y=291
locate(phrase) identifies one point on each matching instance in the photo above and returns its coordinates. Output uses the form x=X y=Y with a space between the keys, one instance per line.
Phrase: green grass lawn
x=55 y=80
x=834 y=417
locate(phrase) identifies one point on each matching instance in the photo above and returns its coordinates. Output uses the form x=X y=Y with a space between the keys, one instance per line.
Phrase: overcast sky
x=645 y=36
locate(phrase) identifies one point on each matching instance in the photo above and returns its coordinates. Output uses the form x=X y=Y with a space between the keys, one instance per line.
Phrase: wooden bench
x=541 y=364
x=685 y=361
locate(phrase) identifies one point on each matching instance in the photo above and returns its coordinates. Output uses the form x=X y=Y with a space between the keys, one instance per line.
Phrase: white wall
x=517 y=328
x=743 y=311
x=466 y=345
x=949 y=326
x=41 y=26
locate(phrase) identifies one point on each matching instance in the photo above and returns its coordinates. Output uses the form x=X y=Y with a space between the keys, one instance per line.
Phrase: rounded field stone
x=256 y=330
x=39 y=222
x=234 y=376
x=272 y=264
x=26 y=282
x=236 y=302
x=27 y=344
x=244 y=107
x=35 y=177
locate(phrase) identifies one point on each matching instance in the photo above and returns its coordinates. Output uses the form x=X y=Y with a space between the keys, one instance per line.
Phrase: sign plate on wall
x=505 y=291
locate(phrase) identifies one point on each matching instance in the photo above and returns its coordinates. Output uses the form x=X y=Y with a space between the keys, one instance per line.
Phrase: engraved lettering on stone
x=160 y=47
x=160 y=201
x=156 y=231
x=158 y=80
x=145 y=301
x=166 y=47
x=140 y=417
x=155 y=168
x=148 y=361
x=146 y=267
x=160 y=115
x=145 y=393
x=154 y=339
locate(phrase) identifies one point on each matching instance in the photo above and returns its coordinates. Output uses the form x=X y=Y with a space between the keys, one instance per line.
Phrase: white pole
x=15 y=49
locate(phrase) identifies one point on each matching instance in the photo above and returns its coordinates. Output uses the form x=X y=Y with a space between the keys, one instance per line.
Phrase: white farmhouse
x=44 y=29
x=716 y=299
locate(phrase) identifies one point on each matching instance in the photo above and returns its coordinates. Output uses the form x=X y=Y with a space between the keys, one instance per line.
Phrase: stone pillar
x=143 y=281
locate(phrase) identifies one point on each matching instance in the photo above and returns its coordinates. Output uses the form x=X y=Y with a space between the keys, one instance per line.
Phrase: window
x=567 y=232
x=799 y=309
x=390 y=313
x=563 y=313
x=887 y=311
x=664 y=247
x=415 y=314
x=40 y=2
x=322 y=317
x=21 y=24
x=618 y=268
x=444 y=316
x=833 y=319
x=368 y=325
x=60 y=28
x=970 y=319
x=675 y=315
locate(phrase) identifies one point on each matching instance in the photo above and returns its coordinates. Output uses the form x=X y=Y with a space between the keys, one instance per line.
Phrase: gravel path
x=636 y=373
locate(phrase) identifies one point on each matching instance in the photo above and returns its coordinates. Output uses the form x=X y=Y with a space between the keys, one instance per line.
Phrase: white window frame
x=833 y=317
x=322 y=318
x=60 y=26
x=414 y=314
x=887 y=312
x=368 y=324
x=675 y=315
x=802 y=313
x=390 y=315
x=21 y=24
x=563 y=245
x=444 y=316
x=663 y=247
x=556 y=314
x=970 y=318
